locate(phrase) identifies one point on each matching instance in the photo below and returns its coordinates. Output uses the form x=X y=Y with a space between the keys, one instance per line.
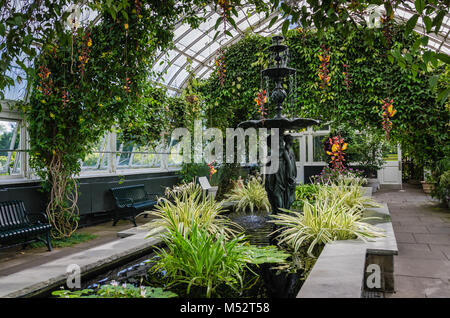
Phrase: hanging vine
x=261 y=101
x=84 y=85
x=388 y=112
x=324 y=72
x=335 y=148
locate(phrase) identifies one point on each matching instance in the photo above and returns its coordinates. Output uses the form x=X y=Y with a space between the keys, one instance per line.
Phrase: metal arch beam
x=203 y=63
x=181 y=36
x=204 y=34
x=233 y=40
x=439 y=39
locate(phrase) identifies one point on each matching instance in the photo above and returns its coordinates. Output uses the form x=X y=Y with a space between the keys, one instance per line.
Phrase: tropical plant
x=114 y=290
x=333 y=176
x=330 y=218
x=373 y=77
x=249 y=196
x=350 y=191
x=208 y=261
x=443 y=188
x=186 y=206
x=304 y=192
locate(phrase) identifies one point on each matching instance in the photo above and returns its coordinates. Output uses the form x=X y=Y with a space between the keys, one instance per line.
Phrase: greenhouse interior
x=225 y=149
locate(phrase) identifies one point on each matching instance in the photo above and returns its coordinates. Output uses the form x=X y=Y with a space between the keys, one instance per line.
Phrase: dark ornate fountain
x=280 y=186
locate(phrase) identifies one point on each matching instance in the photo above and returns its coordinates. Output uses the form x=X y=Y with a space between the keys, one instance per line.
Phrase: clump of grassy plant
x=336 y=214
x=208 y=261
x=185 y=206
x=250 y=196
x=351 y=193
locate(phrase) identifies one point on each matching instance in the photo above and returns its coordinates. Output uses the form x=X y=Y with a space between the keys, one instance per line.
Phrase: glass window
x=390 y=152
x=98 y=158
x=133 y=156
x=296 y=148
x=10 y=157
x=318 y=151
x=175 y=154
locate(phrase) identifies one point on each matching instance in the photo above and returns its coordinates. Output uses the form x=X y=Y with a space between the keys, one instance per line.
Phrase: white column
x=112 y=162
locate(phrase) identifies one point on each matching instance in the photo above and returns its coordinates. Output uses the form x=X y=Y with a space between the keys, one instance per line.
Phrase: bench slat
x=15 y=225
x=130 y=200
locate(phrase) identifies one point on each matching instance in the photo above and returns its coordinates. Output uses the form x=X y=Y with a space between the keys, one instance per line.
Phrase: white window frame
x=9 y=114
x=26 y=174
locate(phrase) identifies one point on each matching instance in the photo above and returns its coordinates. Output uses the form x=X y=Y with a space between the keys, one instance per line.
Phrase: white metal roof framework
x=198 y=46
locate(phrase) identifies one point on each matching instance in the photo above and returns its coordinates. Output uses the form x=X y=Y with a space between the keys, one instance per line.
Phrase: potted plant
x=429 y=183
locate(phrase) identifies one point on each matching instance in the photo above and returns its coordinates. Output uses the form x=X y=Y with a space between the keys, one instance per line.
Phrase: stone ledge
x=132 y=231
x=48 y=276
x=339 y=271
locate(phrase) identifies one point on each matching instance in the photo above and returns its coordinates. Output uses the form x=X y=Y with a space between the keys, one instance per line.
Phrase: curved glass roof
x=198 y=47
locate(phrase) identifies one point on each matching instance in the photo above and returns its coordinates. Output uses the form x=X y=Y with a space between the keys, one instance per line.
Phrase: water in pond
x=275 y=281
x=256 y=227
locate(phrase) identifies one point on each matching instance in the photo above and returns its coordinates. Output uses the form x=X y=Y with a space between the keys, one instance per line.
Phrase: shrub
x=185 y=206
x=250 y=196
x=208 y=261
x=333 y=216
x=333 y=176
x=350 y=192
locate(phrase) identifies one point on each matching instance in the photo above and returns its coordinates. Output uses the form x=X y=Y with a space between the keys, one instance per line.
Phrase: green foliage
x=339 y=15
x=441 y=177
x=304 y=192
x=116 y=291
x=186 y=206
x=366 y=150
x=373 y=78
x=44 y=23
x=209 y=261
x=75 y=238
x=233 y=103
x=85 y=81
x=250 y=195
x=336 y=214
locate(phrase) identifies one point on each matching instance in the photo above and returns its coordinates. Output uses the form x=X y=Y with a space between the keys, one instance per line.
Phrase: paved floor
x=422 y=230
x=16 y=259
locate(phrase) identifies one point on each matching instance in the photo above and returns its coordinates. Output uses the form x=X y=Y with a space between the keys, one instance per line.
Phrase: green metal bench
x=132 y=200
x=19 y=227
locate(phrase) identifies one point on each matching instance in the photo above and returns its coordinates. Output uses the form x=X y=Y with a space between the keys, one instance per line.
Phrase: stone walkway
x=16 y=259
x=422 y=230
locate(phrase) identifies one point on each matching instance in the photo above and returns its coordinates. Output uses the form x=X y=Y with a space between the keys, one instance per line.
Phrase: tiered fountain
x=280 y=186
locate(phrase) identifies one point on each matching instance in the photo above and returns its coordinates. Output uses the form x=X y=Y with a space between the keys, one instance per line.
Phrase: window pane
x=98 y=158
x=318 y=152
x=10 y=160
x=296 y=148
x=133 y=156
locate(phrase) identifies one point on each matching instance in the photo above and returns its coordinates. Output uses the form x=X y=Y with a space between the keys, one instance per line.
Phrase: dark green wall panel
x=94 y=194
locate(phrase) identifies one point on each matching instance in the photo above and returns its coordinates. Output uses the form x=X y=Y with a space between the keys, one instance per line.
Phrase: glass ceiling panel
x=200 y=47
